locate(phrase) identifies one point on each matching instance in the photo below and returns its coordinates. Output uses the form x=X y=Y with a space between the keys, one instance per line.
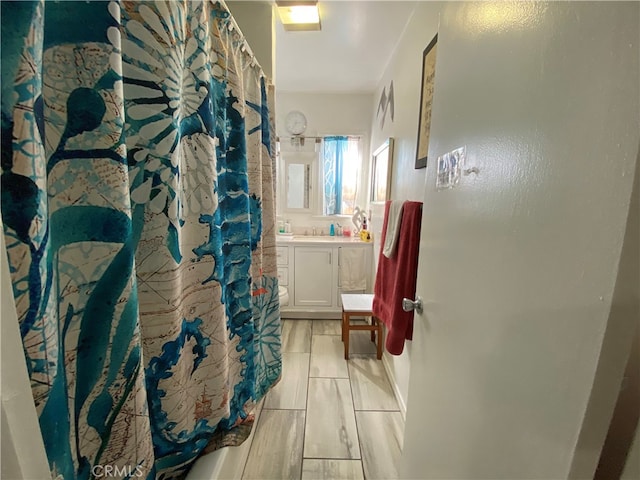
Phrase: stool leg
x=379 y=339
x=373 y=332
x=345 y=334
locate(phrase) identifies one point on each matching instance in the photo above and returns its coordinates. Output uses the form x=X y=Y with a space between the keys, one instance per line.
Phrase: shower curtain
x=138 y=213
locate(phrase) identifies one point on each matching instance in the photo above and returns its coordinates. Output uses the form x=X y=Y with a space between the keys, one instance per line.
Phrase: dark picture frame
x=426 y=99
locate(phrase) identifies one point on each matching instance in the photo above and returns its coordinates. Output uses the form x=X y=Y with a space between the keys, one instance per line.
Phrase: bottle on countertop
x=332 y=230
x=364 y=222
x=287 y=227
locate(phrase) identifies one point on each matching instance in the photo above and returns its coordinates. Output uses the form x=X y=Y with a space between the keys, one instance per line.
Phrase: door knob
x=409 y=305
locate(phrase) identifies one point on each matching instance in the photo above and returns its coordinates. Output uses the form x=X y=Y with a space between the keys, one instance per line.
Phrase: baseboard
x=394 y=386
x=310 y=315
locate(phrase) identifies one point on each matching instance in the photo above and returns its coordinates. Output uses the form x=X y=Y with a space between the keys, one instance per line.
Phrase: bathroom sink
x=318 y=239
x=324 y=239
x=311 y=238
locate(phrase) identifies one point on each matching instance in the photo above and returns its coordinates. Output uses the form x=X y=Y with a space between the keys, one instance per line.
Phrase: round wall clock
x=295 y=122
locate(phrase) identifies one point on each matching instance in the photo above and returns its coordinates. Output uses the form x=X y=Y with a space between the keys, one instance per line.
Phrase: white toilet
x=283 y=294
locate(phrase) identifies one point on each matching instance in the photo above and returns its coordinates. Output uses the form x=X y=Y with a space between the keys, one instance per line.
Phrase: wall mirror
x=297 y=181
x=298 y=175
x=381 y=172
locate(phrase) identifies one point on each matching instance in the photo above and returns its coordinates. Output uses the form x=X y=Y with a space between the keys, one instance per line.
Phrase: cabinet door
x=313 y=277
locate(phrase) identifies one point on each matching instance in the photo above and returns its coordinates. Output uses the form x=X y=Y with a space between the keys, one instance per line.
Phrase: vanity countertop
x=319 y=240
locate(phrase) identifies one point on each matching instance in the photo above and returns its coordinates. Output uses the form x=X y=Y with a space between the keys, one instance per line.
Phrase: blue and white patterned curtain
x=138 y=213
x=334 y=153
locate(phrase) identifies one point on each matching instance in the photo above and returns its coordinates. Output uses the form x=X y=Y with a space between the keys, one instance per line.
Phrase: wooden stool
x=359 y=304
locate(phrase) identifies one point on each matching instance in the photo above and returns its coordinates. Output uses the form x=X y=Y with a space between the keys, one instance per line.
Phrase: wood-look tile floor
x=328 y=418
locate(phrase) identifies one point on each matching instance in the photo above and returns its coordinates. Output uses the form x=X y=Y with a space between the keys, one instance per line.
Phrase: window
x=341 y=163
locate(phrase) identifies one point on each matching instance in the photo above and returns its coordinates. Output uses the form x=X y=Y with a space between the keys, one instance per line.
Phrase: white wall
x=407 y=183
x=257 y=23
x=526 y=296
x=327 y=114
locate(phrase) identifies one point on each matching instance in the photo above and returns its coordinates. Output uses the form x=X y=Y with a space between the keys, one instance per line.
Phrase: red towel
x=396 y=278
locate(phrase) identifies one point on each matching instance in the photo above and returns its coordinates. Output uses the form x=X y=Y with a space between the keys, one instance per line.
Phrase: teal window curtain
x=334 y=155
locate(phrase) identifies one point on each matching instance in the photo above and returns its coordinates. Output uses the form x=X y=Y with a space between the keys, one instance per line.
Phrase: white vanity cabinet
x=310 y=269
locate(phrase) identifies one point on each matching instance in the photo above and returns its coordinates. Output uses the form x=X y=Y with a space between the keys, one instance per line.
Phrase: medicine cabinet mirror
x=297 y=182
x=381 y=172
x=298 y=185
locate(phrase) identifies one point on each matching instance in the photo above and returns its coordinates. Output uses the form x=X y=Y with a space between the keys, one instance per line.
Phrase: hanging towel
x=353 y=269
x=396 y=278
x=393 y=227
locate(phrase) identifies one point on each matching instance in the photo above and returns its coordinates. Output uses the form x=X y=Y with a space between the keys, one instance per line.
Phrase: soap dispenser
x=332 y=230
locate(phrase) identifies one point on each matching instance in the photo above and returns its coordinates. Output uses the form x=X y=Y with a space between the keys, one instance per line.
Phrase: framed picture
x=426 y=98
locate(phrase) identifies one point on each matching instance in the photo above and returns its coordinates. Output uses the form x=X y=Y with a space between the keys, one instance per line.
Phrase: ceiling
x=349 y=54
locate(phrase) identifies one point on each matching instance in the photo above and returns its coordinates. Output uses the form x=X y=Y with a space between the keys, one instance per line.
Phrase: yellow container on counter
x=365 y=235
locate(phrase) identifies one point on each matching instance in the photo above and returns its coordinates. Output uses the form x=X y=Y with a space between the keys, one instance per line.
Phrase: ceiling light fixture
x=299 y=15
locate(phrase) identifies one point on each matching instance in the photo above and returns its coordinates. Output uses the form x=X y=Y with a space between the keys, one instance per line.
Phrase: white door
x=517 y=358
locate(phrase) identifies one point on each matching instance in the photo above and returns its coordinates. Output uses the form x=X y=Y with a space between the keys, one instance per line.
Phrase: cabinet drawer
x=283 y=255
x=283 y=276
